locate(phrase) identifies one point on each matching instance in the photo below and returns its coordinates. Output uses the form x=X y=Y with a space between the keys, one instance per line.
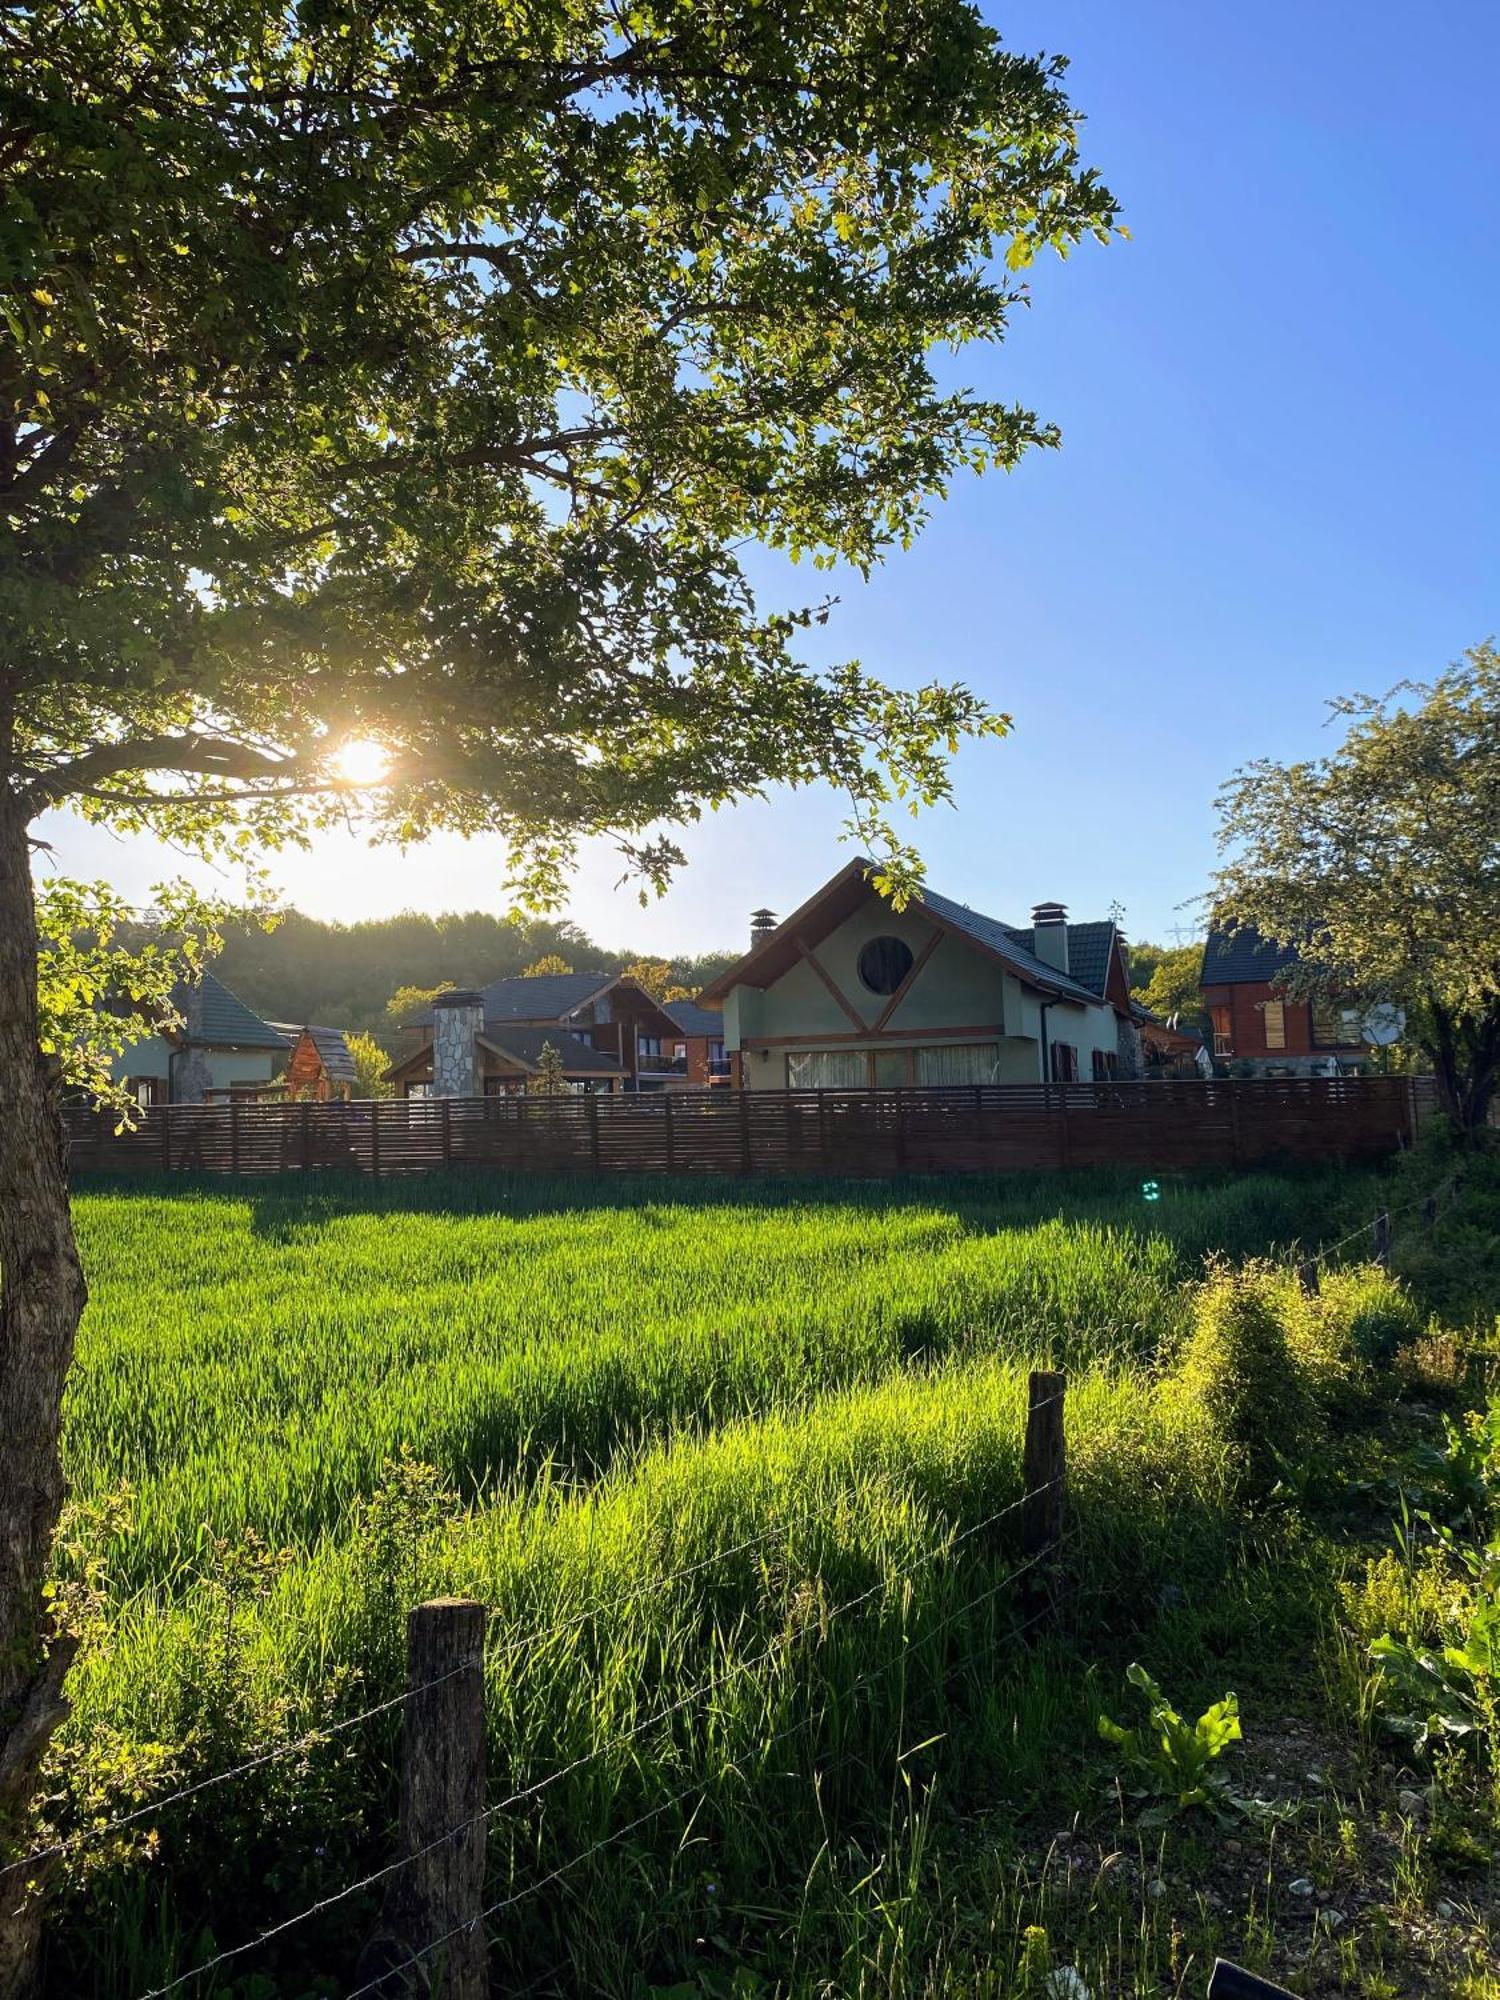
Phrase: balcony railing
x=657 y=1065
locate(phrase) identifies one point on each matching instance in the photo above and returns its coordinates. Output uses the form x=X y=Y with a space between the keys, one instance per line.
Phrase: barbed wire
x=703 y=1785
x=694 y=1694
x=91 y=1836
x=1422 y=1201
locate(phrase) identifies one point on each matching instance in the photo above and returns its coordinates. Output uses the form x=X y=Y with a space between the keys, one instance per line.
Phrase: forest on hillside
x=343 y=975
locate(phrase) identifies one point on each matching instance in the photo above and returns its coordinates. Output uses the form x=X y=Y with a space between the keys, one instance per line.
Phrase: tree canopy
x=1380 y=864
x=388 y=395
x=1165 y=978
x=377 y=973
x=370 y=1065
x=386 y=399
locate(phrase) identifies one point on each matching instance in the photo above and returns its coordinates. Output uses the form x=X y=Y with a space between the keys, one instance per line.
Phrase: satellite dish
x=1383 y=1024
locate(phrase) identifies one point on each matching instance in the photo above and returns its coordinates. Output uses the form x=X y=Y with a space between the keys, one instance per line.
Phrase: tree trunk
x=1465 y=1056
x=41 y=1298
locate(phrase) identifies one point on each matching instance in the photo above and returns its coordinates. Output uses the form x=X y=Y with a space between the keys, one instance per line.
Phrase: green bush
x=1366 y=1315
x=1241 y=1368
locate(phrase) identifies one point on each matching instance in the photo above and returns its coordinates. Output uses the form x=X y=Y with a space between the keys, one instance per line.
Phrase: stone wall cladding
x=1131 y=1059
x=456 y=1019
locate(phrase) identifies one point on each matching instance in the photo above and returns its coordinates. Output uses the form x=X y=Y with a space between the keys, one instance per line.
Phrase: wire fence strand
x=703 y=1785
x=779 y=1645
x=87 y=1837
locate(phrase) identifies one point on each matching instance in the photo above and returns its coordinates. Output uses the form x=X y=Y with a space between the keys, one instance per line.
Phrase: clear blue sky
x=1280 y=478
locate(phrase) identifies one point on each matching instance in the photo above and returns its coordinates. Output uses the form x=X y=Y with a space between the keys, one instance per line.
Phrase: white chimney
x=1049 y=934
x=457 y=1017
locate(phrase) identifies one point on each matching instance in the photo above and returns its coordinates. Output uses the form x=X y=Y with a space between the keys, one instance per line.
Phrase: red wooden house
x=699 y=1049
x=1255 y=1024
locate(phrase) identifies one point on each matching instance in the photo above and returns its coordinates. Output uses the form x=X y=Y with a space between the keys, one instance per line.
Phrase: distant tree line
x=344 y=975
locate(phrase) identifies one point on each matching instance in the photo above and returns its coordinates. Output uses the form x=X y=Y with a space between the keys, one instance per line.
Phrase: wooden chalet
x=321 y=1066
x=609 y=1031
x=1256 y=1027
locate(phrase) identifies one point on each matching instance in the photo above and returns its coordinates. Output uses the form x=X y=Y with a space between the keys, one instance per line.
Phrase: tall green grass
x=252 y=1358
x=666 y=1434
x=710 y=1573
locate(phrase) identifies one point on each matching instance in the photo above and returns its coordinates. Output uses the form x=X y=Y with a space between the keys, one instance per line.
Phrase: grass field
x=667 y=1435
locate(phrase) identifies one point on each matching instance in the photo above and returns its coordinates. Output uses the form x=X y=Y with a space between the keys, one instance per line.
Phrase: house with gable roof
x=321 y=1065
x=848 y=993
x=1256 y=1027
x=609 y=1032
x=216 y=1047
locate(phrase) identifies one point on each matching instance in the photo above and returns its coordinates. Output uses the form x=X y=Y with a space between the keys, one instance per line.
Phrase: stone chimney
x=762 y=923
x=1049 y=934
x=457 y=1017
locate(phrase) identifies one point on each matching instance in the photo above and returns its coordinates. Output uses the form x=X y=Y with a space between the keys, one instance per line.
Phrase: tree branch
x=201 y=756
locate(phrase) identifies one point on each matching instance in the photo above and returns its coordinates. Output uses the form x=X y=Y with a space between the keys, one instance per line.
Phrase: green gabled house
x=218 y=1047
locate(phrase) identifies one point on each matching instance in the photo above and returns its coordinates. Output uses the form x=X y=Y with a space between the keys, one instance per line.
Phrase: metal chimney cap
x=1049 y=913
x=458 y=996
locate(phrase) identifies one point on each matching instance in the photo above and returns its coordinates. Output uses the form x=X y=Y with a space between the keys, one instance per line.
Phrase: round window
x=884 y=963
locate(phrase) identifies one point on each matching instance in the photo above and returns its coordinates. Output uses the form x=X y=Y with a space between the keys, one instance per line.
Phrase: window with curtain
x=967 y=1063
x=827 y=1069
x=1275 y=1018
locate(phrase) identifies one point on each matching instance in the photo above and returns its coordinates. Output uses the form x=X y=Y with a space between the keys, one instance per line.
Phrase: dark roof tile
x=1005 y=939
x=696 y=1020
x=215 y=1018
x=546 y=997
x=1243 y=955
x=333 y=1050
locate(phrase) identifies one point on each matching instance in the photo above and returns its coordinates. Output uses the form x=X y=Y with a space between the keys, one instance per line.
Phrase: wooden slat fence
x=1001 y=1128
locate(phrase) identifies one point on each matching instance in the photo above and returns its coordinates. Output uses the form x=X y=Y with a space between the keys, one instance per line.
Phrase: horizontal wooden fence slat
x=990 y=1128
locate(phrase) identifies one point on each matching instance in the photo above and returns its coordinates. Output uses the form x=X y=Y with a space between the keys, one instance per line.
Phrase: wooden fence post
x=1044 y=1472
x=433 y=1902
x=1380 y=1238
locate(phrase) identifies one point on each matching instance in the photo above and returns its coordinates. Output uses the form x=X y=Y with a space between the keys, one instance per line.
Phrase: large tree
x=1380 y=864
x=1170 y=987
x=385 y=396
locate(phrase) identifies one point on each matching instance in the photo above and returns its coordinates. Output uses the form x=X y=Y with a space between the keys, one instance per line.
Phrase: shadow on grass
x=1236 y=1214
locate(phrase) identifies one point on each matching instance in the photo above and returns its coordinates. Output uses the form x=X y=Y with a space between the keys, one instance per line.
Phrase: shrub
x=1367 y=1314
x=1240 y=1368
